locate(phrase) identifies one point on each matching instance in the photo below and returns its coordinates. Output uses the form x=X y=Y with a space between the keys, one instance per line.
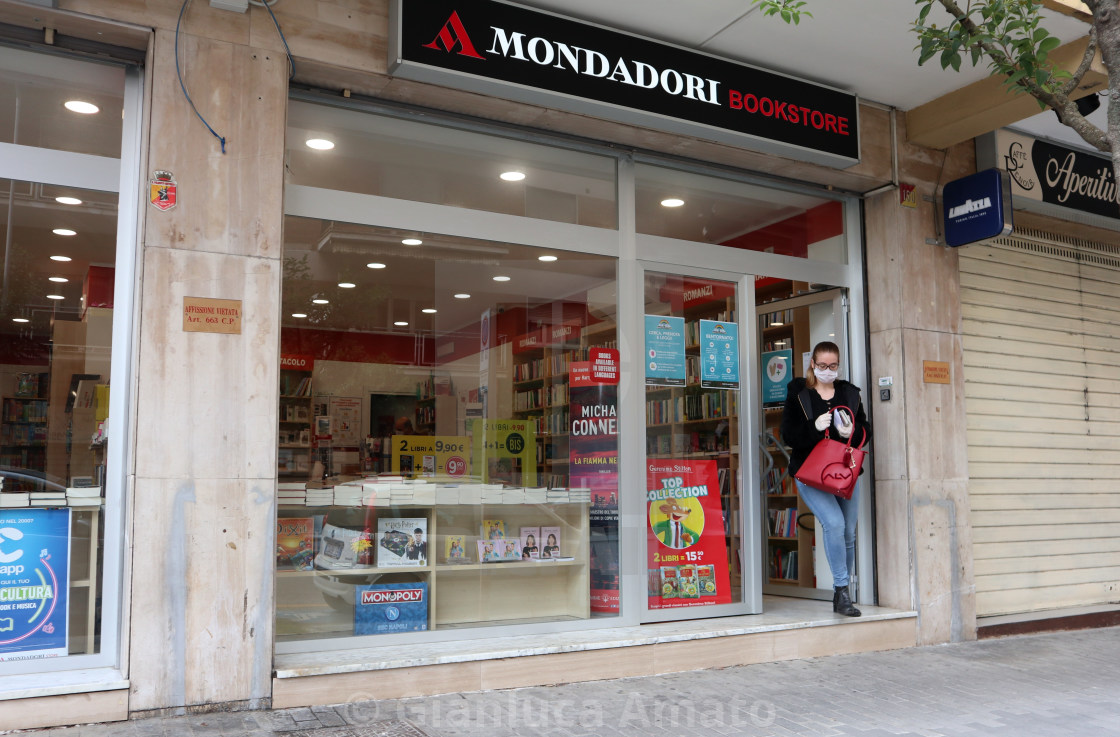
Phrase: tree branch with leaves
x=1009 y=36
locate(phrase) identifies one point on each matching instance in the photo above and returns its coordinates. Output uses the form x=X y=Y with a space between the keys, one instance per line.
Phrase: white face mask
x=825 y=376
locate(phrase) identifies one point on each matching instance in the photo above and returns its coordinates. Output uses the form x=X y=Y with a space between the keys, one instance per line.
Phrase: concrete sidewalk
x=1031 y=686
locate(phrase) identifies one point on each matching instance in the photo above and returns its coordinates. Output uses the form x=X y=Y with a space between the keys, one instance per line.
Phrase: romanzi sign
x=506 y=50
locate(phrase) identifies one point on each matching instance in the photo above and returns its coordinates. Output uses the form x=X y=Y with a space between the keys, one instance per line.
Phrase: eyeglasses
x=828 y=366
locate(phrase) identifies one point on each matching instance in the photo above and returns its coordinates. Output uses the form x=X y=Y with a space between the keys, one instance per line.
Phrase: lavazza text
x=587 y=62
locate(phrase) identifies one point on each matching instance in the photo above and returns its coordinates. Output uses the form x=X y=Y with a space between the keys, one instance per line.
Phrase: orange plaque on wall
x=204 y=315
x=935 y=372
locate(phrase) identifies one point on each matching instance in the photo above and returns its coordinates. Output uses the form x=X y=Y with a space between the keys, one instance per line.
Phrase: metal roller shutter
x=1041 y=336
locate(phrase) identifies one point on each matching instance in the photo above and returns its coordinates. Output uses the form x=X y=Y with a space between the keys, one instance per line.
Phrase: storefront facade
x=350 y=257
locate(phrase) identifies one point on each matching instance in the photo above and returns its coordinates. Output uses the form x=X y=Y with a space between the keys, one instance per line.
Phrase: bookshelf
x=541 y=363
x=294 y=424
x=23 y=437
x=789 y=526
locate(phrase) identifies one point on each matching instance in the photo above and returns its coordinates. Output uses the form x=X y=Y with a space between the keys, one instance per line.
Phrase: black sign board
x=506 y=50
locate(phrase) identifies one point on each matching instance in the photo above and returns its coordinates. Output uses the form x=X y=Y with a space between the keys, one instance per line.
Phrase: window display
x=447 y=433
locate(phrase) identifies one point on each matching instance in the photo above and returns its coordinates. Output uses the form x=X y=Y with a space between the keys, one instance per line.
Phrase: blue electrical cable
x=291 y=62
x=180 y=75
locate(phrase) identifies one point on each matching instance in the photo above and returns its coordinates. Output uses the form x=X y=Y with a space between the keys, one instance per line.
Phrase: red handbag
x=833 y=466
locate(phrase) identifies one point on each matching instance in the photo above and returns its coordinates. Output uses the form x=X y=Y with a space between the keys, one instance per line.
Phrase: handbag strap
x=853 y=416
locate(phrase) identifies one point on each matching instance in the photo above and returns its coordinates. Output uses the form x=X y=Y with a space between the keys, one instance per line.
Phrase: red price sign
x=456 y=466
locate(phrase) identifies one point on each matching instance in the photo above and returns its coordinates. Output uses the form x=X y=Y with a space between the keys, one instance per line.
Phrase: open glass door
x=696 y=554
x=792 y=318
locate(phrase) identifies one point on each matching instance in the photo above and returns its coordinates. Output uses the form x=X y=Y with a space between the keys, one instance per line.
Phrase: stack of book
x=291 y=493
x=471 y=494
x=349 y=495
x=378 y=493
x=513 y=495
x=319 y=497
x=400 y=494
x=557 y=496
x=48 y=498
x=446 y=495
x=492 y=493
x=579 y=496
x=10 y=499
x=83 y=496
x=537 y=495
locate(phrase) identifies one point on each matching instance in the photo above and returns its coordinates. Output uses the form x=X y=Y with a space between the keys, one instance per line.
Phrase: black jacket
x=800 y=414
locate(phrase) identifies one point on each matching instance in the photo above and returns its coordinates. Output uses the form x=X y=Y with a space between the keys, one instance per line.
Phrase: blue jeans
x=838 y=521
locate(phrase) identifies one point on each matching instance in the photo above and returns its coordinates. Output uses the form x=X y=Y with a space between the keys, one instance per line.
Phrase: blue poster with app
x=719 y=354
x=390 y=607
x=665 y=362
x=34 y=581
x=777 y=370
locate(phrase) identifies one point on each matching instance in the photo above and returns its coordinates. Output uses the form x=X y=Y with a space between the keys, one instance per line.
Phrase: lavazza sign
x=505 y=50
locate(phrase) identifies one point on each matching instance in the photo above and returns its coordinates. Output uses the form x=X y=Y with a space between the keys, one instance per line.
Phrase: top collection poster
x=665 y=361
x=719 y=354
x=686 y=545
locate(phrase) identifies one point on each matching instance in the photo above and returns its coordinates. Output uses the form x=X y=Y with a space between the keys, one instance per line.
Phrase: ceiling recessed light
x=20 y=319
x=67 y=200
x=672 y=202
x=80 y=106
x=58 y=279
x=319 y=144
x=512 y=176
x=546 y=258
x=347 y=284
x=55 y=296
x=64 y=231
x=412 y=241
x=375 y=265
x=776 y=324
x=462 y=295
x=428 y=311
x=501 y=278
x=400 y=323
x=321 y=301
x=60 y=258
x=299 y=314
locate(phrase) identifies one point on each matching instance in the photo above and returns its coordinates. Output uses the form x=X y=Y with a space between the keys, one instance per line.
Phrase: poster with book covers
x=402 y=542
x=295 y=543
x=686 y=539
x=593 y=465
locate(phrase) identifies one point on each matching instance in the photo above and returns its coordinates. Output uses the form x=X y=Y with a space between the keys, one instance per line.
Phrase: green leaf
x=1048 y=45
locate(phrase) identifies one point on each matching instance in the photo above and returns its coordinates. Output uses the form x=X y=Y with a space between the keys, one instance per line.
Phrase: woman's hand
x=824 y=421
x=844 y=425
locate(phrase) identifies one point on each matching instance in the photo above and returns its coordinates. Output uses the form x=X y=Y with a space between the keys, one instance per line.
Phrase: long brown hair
x=825 y=346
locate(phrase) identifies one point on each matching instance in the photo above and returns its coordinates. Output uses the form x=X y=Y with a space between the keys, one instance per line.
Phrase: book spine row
x=783 y=564
x=25 y=411
x=783 y=522
x=781 y=317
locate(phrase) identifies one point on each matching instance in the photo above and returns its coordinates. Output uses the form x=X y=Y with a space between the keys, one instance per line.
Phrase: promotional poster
x=34 y=583
x=665 y=361
x=687 y=545
x=593 y=464
x=504 y=451
x=777 y=370
x=719 y=354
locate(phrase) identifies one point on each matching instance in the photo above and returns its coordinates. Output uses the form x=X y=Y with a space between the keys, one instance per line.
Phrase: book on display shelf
x=455 y=549
x=530 y=542
x=493 y=529
x=402 y=542
x=295 y=543
x=489 y=551
x=511 y=549
x=550 y=542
